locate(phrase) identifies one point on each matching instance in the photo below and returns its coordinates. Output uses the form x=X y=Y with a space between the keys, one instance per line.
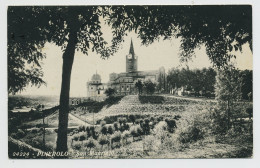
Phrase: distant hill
x=19 y=101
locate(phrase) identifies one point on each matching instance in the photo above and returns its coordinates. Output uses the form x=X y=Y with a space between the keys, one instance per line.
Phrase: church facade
x=124 y=83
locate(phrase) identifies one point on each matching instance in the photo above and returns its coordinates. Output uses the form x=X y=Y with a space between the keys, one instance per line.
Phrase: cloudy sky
x=162 y=53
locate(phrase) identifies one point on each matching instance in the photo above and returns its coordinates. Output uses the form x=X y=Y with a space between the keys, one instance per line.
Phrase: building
x=124 y=83
x=75 y=101
x=96 y=89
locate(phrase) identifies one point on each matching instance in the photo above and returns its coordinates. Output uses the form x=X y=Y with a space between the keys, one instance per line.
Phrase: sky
x=152 y=57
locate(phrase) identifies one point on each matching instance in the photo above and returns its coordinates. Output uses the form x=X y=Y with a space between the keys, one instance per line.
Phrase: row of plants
x=92 y=106
x=119 y=133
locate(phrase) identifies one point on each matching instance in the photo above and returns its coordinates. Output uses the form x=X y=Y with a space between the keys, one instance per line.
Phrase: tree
x=247 y=87
x=228 y=91
x=149 y=87
x=139 y=84
x=71 y=28
x=110 y=92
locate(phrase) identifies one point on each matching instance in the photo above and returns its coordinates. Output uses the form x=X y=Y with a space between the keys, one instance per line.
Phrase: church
x=123 y=83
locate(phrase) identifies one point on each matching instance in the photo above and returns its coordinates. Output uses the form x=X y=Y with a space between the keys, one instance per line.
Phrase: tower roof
x=131 y=51
x=96 y=77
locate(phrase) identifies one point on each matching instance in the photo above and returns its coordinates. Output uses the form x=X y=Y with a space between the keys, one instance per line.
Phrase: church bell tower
x=131 y=59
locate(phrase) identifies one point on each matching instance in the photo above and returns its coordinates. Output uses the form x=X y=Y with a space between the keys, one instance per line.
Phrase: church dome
x=96 y=77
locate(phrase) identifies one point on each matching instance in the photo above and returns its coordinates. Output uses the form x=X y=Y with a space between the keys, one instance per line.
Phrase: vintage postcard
x=124 y=82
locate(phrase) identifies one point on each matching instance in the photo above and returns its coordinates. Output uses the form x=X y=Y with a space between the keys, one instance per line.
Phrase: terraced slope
x=131 y=104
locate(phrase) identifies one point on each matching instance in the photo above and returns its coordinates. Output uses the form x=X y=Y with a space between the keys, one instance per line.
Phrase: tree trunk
x=68 y=57
x=228 y=114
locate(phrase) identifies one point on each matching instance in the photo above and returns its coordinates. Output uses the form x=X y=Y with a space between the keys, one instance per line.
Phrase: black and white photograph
x=130 y=81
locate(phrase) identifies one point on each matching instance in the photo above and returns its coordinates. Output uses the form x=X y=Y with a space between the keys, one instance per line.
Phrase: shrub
x=116 y=137
x=81 y=128
x=125 y=135
x=110 y=92
x=110 y=130
x=192 y=135
x=76 y=145
x=132 y=118
x=75 y=137
x=34 y=131
x=136 y=131
x=102 y=140
x=93 y=133
x=90 y=143
x=88 y=131
x=82 y=136
x=124 y=127
x=19 y=134
x=104 y=130
x=196 y=130
x=122 y=121
x=116 y=126
x=171 y=125
x=146 y=127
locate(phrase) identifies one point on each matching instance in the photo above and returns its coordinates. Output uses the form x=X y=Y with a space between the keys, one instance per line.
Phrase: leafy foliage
x=149 y=87
x=228 y=90
x=139 y=85
x=31 y=27
x=193 y=80
x=110 y=92
x=219 y=28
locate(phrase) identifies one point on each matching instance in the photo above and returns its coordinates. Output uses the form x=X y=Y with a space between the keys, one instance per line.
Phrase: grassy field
x=148 y=127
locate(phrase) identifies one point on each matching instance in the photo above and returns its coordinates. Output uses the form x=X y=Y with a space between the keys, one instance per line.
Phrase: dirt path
x=190 y=98
x=80 y=121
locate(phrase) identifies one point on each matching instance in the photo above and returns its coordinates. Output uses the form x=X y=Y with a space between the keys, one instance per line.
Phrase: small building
x=75 y=101
x=96 y=89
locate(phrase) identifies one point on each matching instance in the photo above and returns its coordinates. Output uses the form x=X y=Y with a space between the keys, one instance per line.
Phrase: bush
x=81 y=128
x=110 y=92
x=19 y=134
x=192 y=135
x=34 y=131
x=76 y=145
x=122 y=121
x=104 y=130
x=146 y=127
x=116 y=126
x=136 y=131
x=132 y=118
x=110 y=130
x=196 y=130
x=88 y=131
x=82 y=136
x=93 y=133
x=171 y=125
x=124 y=127
x=102 y=140
x=90 y=143
x=75 y=137
x=116 y=137
x=125 y=135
